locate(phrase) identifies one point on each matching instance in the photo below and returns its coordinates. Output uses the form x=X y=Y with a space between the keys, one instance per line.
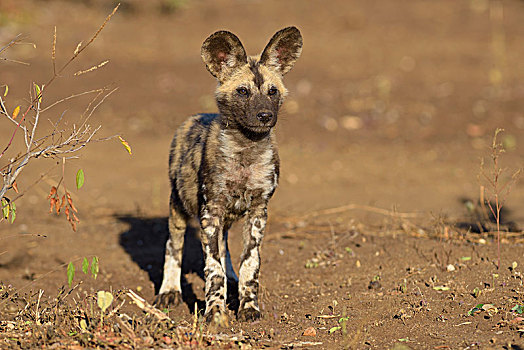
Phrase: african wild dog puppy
x=225 y=166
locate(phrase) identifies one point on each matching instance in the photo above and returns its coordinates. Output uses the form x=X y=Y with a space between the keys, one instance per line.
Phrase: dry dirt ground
x=392 y=105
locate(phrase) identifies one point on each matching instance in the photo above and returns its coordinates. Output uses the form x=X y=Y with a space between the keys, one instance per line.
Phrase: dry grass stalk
x=497 y=190
x=144 y=305
x=95 y=67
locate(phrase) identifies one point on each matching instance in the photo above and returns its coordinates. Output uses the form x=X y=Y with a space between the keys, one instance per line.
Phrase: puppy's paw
x=217 y=317
x=172 y=298
x=248 y=314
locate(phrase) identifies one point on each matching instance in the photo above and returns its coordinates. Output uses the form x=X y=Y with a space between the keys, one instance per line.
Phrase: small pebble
x=310 y=332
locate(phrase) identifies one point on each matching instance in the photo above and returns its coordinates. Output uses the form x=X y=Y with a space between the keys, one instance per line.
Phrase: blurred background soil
x=392 y=105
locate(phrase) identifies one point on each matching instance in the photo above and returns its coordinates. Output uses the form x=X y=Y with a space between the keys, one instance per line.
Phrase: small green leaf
x=465 y=258
x=94 y=267
x=104 y=300
x=334 y=329
x=5 y=208
x=343 y=319
x=349 y=251
x=38 y=92
x=476 y=309
x=85 y=266
x=13 y=212
x=6 y=90
x=79 y=179
x=518 y=309
x=70 y=273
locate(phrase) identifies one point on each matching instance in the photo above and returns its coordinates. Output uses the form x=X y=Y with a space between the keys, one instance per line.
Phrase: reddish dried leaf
x=52 y=192
x=70 y=201
x=63 y=202
x=57 y=206
x=15 y=186
x=52 y=205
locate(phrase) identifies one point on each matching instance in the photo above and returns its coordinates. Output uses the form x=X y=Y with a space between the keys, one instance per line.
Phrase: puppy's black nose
x=265 y=117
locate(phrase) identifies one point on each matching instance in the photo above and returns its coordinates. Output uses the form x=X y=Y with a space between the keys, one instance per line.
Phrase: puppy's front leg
x=250 y=264
x=212 y=222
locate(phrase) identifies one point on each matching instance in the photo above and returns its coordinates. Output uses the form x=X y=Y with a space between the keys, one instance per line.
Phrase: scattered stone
x=310 y=332
x=451 y=268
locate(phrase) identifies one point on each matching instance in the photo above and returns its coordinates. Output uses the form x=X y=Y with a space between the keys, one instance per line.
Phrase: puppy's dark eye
x=272 y=91
x=242 y=91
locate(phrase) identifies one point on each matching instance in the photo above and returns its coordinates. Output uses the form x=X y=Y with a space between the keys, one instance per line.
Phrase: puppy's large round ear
x=282 y=50
x=222 y=53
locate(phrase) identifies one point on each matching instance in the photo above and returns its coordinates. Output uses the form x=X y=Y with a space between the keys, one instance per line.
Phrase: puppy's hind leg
x=171 y=290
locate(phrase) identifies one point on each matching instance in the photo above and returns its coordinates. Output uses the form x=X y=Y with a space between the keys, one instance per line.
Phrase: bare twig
x=344 y=208
x=77 y=52
x=497 y=190
x=74 y=96
x=59 y=142
x=144 y=305
x=14 y=61
x=13 y=42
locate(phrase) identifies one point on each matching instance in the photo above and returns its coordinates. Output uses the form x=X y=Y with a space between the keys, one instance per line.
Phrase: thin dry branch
x=18 y=39
x=14 y=61
x=344 y=208
x=13 y=42
x=146 y=307
x=74 y=96
x=96 y=106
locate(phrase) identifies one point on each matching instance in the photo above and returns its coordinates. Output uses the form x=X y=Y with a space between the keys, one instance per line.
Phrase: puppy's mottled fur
x=225 y=166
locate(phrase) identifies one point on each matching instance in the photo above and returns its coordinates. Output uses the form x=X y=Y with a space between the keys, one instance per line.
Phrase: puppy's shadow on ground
x=145 y=241
x=479 y=218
